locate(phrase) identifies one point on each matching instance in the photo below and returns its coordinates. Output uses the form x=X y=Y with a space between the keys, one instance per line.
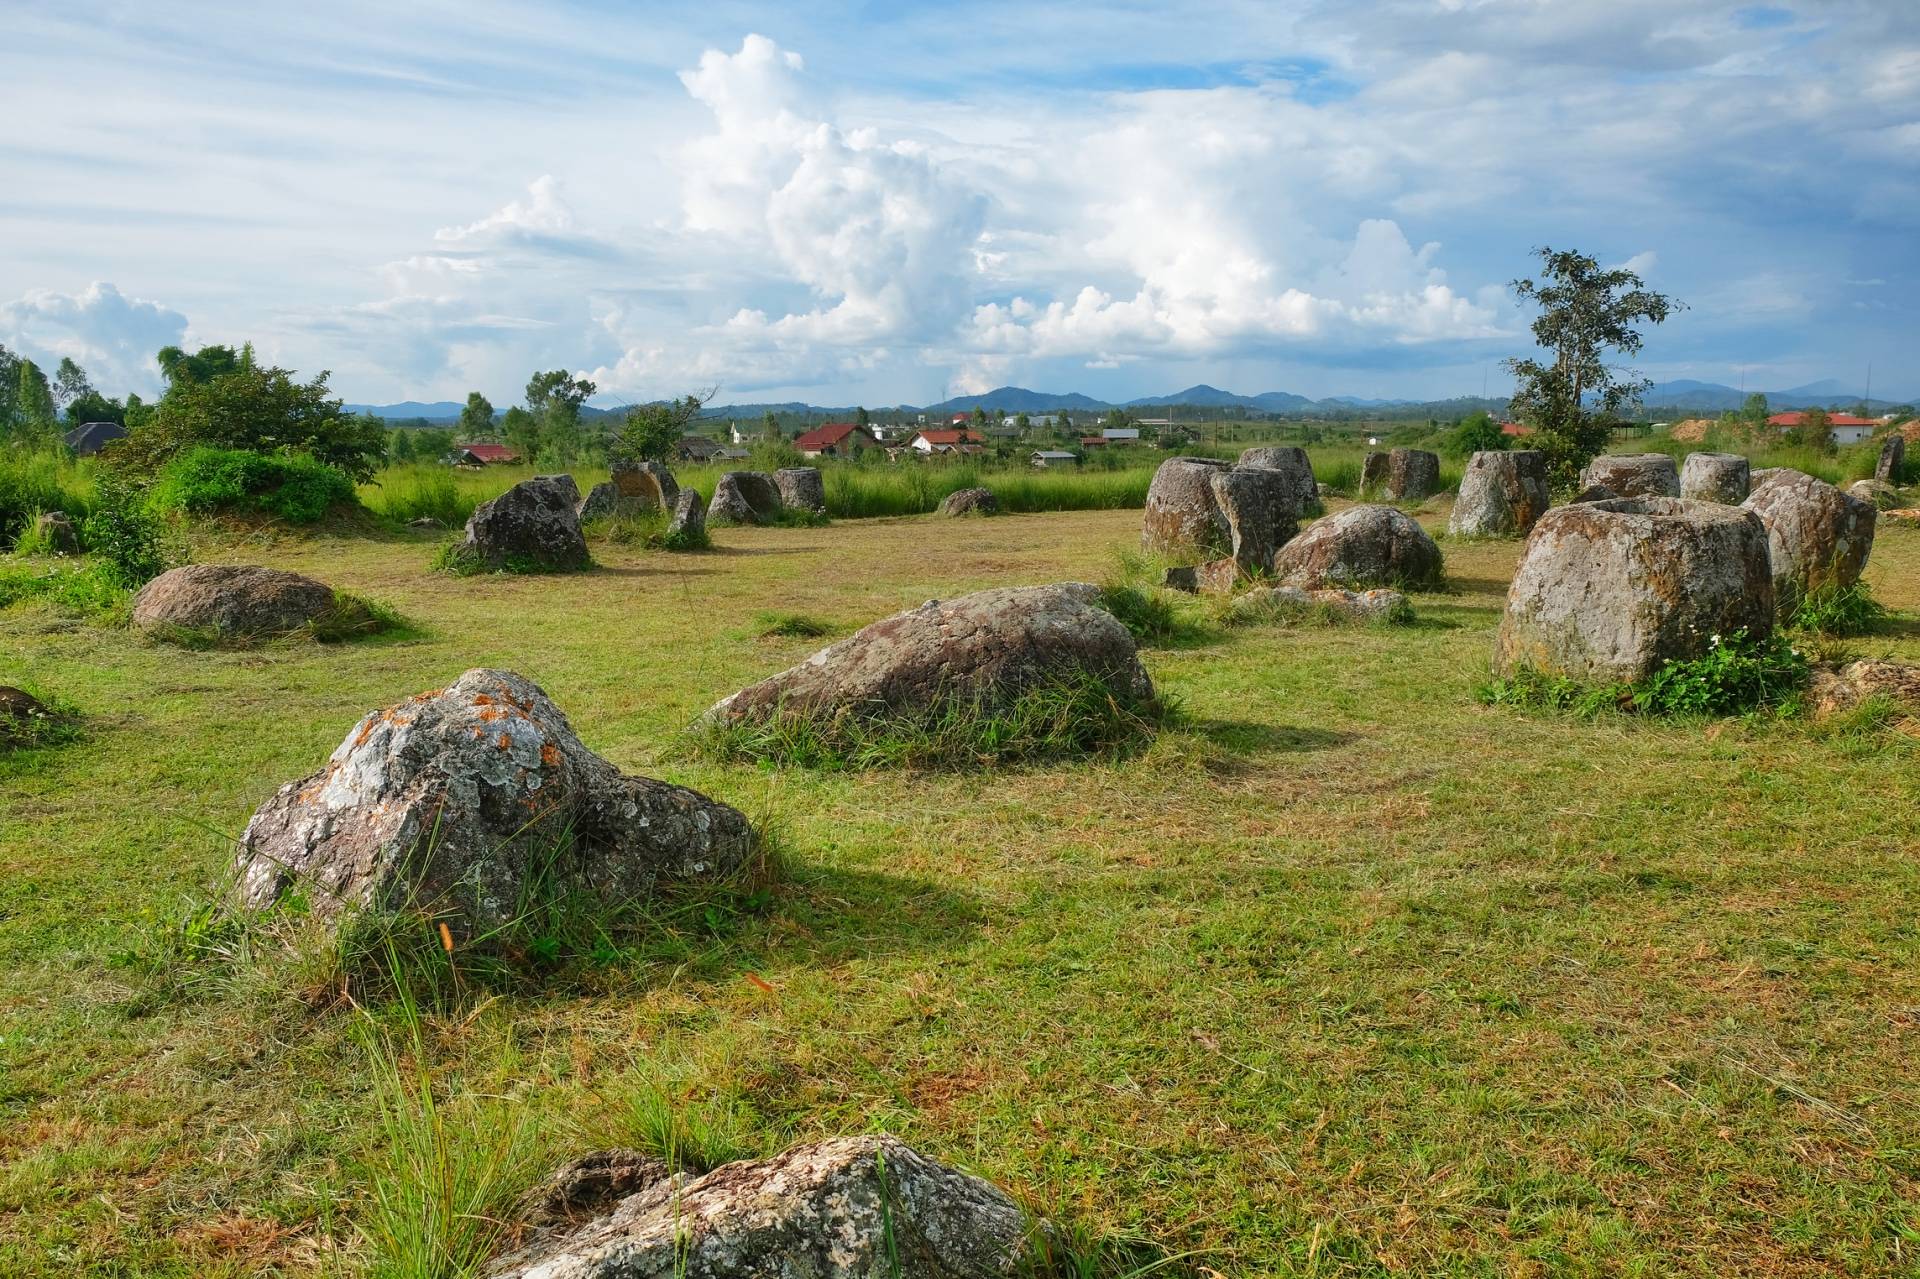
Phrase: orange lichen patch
x=483 y=699
x=505 y=742
x=550 y=755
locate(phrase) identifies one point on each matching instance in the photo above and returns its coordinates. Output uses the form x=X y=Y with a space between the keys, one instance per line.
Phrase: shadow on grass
x=676 y=567
x=718 y=549
x=1247 y=738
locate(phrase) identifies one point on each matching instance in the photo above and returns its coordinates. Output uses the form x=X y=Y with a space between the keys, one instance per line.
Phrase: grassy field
x=1348 y=974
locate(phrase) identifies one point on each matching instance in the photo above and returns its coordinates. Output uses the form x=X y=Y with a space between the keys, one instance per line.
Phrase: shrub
x=32 y=482
x=649 y=529
x=790 y=626
x=1833 y=609
x=1067 y=716
x=293 y=488
x=127 y=543
x=1738 y=674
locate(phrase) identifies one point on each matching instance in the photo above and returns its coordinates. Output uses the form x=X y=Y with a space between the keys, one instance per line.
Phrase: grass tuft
x=770 y=625
x=1737 y=675
x=1833 y=609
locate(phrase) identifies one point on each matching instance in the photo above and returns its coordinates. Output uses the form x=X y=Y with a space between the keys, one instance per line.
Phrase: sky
x=893 y=203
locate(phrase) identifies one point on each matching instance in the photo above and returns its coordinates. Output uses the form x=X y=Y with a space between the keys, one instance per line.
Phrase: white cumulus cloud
x=112 y=336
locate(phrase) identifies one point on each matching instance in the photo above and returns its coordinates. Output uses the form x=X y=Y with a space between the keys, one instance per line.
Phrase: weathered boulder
x=56 y=532
x=1181 y=577
x=745 y=497
x=1218 y=577
x=1293 y=462
x=1374 y=469
x=1361 y=546
x=1502 y=493
x=1634 y=474
x=983 y=649
x=1413 y=475
x=1378 y=605
x=642 y=486
x=1609 y=591
x=1182 y=517
x=689 y=518
x=1260 y=509
x=601 y=502
x=1833 y=690
x=1893 y=456
x=853 y=1208
x=801 y=489
x=974 y=501
x=1818 y=535
x=241 y=601
x=532 y=527
x=1593 y=493
x=1878 y=494
x=1716 y=477
x=465 y=798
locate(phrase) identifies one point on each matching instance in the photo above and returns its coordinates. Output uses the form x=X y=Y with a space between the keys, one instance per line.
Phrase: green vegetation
x=209 y=481
x=1737 y=675
x=1345 y=973
x=770 y=625
x=36 y=480
x=1833 y=609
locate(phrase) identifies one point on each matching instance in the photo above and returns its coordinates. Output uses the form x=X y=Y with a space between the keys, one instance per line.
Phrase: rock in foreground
x=1607 y=592
x=745 y=497
x=1634 y=474
x=980 y=651
x=1502 y=494
x=234 y=601
x=1378 y=605
x=974 y=501
x=533 y=527
x=458 y=799
x=801 y=489
x=1294 y=463
x=1361 y=546
x=1716 y=477
x=853 y=1208
x=1836 y=690
x=1181 y=516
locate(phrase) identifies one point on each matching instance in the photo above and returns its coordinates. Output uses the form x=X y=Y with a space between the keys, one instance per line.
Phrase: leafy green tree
x=769 y=427
x=1754 y=413
x=400 y=446
x=1814 y=431
x=1477 y=433
x=263 y=410
x=979 y=416
x=555 y=398
x=69 y=384
x=861 y=419
x=432 y=443
x=476 y=419
x=522 y=431
x=651 y=431
x=33 y=402
x=1573 y=398
x=1021 y=423
x=91 y=406
x=204 y=365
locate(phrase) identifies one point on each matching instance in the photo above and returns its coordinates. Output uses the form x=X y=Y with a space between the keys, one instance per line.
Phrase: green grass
x=32 y=482
x=214 y=481
x=1347 y=974
x=768 y=624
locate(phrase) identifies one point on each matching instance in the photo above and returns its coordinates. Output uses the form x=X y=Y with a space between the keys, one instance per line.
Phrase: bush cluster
x=1737 y=675
x=290 y=487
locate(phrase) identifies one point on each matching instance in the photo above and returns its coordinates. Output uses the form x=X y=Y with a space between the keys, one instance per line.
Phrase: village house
x=89 y=438
x=1847 y=429
x=1120 y=434
x=1093 y=441
x=835 y=439
x=942 y=442
x=483 y=455
x=696 y=448
x=1054 y=457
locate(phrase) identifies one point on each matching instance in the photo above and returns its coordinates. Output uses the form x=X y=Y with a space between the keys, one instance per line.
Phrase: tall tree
x=262 y=410
x=651 y=431
x=476 y=419
x=769 y=427
x=204 y=365
x=69 y=383
x=1573 y=398
x=521 y=429
x=554 y=398
x=33 y=398
x=860 y=418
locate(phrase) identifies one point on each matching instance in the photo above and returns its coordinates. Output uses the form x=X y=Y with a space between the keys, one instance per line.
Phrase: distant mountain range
x=1684 y=395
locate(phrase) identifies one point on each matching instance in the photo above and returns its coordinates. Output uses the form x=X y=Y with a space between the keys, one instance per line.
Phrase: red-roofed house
x=1515 y=429
x=835 y=439
x=483 y=454
x=947 y=441
x=1847 y=429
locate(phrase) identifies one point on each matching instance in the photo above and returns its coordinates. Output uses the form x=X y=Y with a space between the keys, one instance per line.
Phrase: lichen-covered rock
x=1218 y=577
x=56 y=533
x=1818 y=536
x=854 y=1208
x=1260 y=510
x=1294 y=463
x=1832 y=691
x=1878 y=494
x=600 y=503
x=1893 y=456
x=745 y=497
x=1378 y=605
x=689 y=518
x=1634 y=474
x=242 y=601
x=535 y=525
x=1182 y=517
x=801 y=489
x=1361 y=546
x=463 y=799
x=1374 y=469
x=1501 y=494
x=1716 y=477
x=983 y=649
x=1609 y=591
x=973 y=501
x=1593 y=493
x=1413 y=475
x=1181 y=577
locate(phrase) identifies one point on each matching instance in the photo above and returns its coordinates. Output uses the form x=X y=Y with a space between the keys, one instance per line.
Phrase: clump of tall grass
x=405 y=494
x=1739 y=674
x=1835 y=609
x=41 y=480
x=1063 y=716
x=652 y=530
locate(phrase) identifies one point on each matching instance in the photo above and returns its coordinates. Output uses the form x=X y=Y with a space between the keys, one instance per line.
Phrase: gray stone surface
x=745 y=497
x=1361 y=546
x=1293 y=462
x=689 y=514
x=533 y=525
x=973 y=501
x=456 y=799
x=600 y=503
x=986 y=648
x=1182 y=517
x=1502 y=494
x=244 y=601
x=1413 y=475
x=1260 y=509
x=57 y=532
x=1818 y=536
x=642 y=486
x=801 y=489
x=1634 y=474
x=1377 y=605
x=1716 y=477
x=853 y=1208
x=1608 y=591
x=1893 y=455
